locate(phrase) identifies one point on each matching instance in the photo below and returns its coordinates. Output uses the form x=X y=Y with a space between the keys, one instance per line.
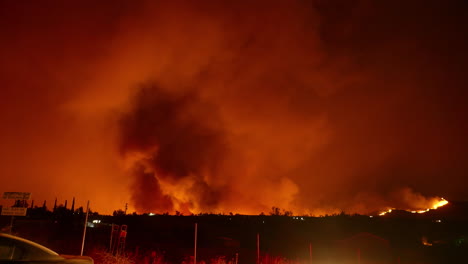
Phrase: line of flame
x=436 y=205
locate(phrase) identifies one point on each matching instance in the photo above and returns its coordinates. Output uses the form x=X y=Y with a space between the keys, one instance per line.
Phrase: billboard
x=14 y=211
x=17 y=195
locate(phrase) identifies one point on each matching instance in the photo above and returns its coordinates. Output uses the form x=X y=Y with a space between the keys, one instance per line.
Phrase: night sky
x=235 y=106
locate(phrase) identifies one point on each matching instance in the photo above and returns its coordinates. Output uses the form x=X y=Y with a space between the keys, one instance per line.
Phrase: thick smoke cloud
x=195 y=106
x=179 y=139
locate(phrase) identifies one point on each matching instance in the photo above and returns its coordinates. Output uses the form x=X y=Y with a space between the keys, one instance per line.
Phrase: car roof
x=31 y=243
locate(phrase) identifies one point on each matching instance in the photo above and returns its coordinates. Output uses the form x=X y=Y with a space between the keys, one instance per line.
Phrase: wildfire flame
x=440 y=203
x=385 y=212
x=436 y=204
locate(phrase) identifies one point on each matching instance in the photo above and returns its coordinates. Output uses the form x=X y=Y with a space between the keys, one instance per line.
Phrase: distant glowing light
x=96 y=221
x=425 y=241
x=151 y=214
x=438 y=221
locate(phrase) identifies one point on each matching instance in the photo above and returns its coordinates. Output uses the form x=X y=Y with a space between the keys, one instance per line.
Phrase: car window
x=9 y=250
x=18 y=253
x=6 y=252
x=28 y=252
x=15 y=248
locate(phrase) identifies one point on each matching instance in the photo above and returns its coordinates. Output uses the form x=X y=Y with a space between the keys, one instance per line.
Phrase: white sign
x=17 y=195
x=14 y=211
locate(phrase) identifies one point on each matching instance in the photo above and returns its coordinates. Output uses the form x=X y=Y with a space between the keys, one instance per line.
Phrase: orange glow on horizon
x=218 y=108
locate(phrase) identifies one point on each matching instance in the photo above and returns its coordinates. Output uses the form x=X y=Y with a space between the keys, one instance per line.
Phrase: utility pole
x=310 y=253
x=258 y=248
x=111 y=235
x=73 y=206
x=84 y=230
x=12 y=219
x=359 y=255
x=195 y=248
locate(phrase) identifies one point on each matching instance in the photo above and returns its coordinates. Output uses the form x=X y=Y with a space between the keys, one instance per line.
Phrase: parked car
x=15 y=249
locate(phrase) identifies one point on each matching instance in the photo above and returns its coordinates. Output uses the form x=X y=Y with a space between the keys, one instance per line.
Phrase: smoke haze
x=207 y=106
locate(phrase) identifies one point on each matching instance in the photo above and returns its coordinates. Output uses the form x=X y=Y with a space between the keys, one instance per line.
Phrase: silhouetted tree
x=79 y=210
x=73 y=205
x=119 y=212
x=275 y=211
x=287 y=213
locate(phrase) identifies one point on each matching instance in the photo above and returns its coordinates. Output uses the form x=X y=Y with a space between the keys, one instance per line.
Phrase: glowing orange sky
x=234 y=107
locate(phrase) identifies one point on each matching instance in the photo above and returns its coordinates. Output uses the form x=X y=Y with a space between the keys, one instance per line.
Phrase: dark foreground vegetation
x=439 y=236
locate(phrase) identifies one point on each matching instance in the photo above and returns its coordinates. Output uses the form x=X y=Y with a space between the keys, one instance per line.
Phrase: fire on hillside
x=439 y=202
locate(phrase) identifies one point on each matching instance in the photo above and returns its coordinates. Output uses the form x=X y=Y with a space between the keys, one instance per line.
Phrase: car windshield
x=15 y=248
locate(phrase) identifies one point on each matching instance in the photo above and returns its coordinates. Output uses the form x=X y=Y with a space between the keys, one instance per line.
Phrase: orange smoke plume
x=314 y=107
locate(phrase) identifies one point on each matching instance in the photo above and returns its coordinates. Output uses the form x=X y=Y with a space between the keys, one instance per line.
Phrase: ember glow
x=313 y=107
